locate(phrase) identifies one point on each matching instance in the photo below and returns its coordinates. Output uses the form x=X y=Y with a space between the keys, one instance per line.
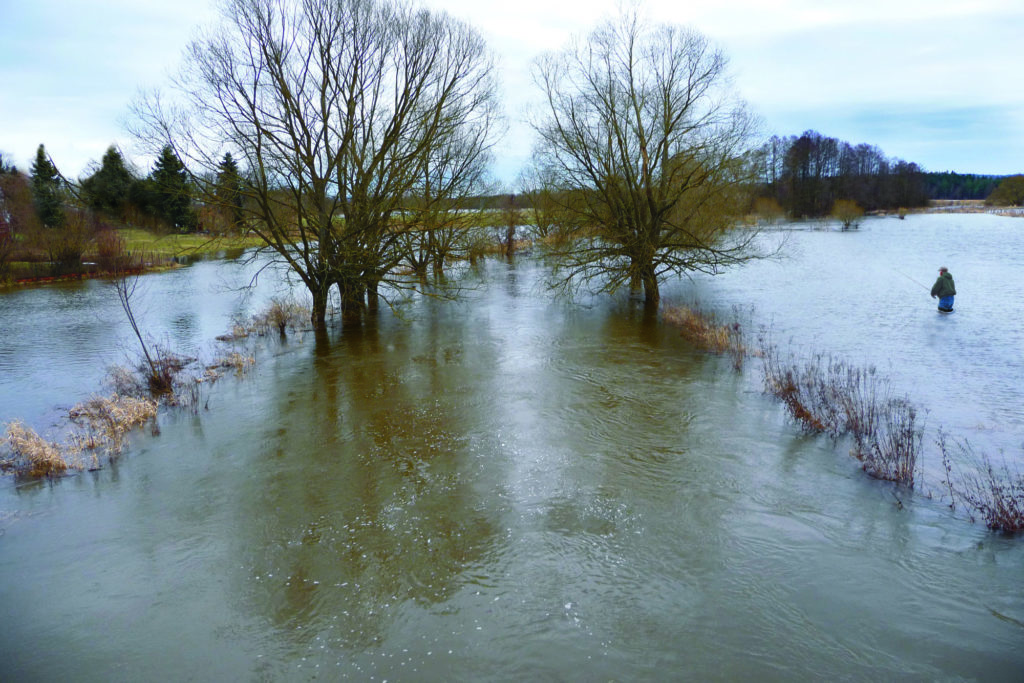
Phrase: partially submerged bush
x=892 y=450
x=993 y=493
x=825 y=395
x=280 y=316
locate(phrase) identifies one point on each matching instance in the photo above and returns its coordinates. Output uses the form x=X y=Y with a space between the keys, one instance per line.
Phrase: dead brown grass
x=105 y=421
x=703 y=330
x=98 y=425
x=32 y=455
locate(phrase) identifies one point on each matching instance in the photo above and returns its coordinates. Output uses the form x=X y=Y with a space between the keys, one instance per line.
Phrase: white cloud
x=69 y=69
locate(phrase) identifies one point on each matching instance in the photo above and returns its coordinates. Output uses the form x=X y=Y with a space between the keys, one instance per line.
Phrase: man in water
x=944 y=290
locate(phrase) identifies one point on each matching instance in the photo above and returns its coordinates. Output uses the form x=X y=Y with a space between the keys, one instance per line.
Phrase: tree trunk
x=372 y=297
x=352 y=301
x=651 y=294
x=318 y=316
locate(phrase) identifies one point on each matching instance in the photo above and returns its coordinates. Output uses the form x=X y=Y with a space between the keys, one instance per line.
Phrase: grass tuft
x=32 y=455
x=105 y=421
x=703 y=330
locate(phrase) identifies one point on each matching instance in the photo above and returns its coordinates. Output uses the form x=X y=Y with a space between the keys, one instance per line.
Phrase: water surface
x=511 y=487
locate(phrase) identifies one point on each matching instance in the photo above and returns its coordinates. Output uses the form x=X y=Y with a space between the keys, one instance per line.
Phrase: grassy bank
x=172 y=246
x=134 y=247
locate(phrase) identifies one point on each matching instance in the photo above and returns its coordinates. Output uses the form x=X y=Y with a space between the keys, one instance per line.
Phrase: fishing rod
x=913 y=280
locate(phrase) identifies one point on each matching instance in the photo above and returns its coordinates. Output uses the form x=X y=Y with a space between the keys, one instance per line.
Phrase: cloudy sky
x=937 y=82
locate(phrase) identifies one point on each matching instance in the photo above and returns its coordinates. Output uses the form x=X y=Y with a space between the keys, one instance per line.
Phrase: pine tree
x=46 y=190
x=228 y=191
x=174 y=192
x=106 y=190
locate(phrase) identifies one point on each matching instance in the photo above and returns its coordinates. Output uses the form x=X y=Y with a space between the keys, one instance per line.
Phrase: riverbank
x=143 y=251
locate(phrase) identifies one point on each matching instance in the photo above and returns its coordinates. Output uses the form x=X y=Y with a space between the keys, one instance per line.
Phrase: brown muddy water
x=516 y=487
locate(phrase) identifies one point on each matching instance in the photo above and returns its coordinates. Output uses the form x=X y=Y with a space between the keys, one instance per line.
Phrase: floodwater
x=515 y=487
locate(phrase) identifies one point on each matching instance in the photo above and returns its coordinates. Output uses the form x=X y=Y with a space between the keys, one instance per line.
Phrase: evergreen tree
x=106 y=190
x=228 y=191
x=173 y=190
x=46 y=190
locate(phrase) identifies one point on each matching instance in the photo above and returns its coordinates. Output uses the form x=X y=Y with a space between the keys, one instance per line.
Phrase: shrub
x=825 y=395
x=891 y=451
x=995 y=494
x=848 y=213
x=111 y=254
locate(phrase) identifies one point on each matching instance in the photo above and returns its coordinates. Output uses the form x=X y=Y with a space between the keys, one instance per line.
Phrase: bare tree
x=647 y=143
x=334 y=110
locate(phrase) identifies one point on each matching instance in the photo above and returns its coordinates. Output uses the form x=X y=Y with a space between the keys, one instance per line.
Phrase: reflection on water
x=505 y=488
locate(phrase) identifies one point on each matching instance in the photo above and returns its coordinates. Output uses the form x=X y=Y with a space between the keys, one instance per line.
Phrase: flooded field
x=518 y=487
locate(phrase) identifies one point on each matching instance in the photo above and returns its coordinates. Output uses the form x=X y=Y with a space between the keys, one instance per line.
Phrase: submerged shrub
x=892 y=450
x=825 y=395
x=993 y=493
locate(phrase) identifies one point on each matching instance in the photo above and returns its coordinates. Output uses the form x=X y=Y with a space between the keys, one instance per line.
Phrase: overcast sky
x=936 y=82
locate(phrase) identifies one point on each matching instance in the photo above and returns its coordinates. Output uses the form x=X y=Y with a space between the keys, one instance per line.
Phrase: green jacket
x=944 y=286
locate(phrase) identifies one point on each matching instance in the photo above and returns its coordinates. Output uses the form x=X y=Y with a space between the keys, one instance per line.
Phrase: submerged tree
x=335 y=109
x=647 y=145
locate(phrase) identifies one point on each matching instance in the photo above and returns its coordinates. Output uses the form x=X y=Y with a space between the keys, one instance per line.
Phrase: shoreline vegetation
x=148 y=251
x=133 y=251
x=885 y=431
x=98 y=427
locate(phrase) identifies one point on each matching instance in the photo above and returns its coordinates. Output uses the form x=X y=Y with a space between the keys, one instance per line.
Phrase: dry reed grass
x=33 y=456
x=107 y=420
x=237 y=361
x=703 y=330
x=101 y=423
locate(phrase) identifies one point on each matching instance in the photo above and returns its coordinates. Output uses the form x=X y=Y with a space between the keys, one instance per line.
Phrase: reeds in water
x=99 y=424
x=826 y=395
x=106 y=421
x=31 y=455
x=703 y=330
x=986 y=490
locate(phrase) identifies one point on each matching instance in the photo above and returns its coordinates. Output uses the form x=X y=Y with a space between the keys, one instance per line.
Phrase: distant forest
x=807 y=174
x=949 y=185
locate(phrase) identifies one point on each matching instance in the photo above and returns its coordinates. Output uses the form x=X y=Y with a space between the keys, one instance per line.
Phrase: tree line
x=807 y=174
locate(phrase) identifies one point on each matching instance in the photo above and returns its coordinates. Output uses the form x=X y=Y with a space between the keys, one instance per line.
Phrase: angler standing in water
x=944 y=290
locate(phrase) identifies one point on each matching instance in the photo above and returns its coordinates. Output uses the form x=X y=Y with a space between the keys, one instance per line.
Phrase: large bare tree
x=646 y=143
x=335 y=111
